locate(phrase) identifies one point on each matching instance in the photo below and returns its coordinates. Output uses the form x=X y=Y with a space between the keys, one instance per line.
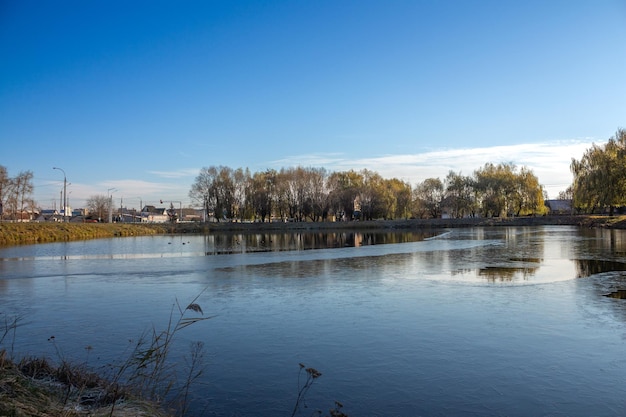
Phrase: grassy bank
x=29 y=233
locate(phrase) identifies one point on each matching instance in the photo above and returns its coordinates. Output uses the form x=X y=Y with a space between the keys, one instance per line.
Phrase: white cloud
x=549 y=161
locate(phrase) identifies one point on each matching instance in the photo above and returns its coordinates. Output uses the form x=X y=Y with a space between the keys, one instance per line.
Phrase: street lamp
x=111 y=203
x=64 y=192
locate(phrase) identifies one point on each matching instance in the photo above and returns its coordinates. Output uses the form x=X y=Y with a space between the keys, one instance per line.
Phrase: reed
x=147 y=369
x=312 y=375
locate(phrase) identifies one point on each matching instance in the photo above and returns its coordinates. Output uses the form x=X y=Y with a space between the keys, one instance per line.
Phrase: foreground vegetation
x=144 y=384
x=34 y=387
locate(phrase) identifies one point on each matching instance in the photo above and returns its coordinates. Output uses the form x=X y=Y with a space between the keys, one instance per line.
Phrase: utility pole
x=64 y=193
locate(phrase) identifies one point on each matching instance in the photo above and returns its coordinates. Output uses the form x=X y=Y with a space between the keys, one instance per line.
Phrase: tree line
x=315 y=194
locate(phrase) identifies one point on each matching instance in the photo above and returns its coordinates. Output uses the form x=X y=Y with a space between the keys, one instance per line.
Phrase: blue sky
x=139 y=96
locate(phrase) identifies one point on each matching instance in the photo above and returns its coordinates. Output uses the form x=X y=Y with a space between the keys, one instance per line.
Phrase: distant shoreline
x=617 y=222
x=31 y=233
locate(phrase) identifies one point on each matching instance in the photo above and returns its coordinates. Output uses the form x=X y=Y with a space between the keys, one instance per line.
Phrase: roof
x=559 y=205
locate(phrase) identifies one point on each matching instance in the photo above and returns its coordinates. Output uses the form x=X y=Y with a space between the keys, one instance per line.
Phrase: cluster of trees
x=16 y=194
x=492 y=191
x=314 y=194
x=600 y=176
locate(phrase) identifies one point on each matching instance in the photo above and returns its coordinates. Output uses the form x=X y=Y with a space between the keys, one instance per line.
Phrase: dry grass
x=34 y=387
x=29 y=233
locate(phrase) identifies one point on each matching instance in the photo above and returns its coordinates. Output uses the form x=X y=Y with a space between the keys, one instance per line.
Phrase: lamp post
x=64 y=192
x=110 y=203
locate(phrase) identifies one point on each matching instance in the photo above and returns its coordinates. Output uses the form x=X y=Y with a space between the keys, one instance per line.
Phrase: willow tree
x=501 y=190
x=600 y=176
x=497 y=186
x=459 y=195
x=528 y=196
x=401 y=191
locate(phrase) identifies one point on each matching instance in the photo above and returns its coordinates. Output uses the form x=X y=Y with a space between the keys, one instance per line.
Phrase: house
x=49 y=216
x=559 y=206
x=192 y=215
x=152 y=214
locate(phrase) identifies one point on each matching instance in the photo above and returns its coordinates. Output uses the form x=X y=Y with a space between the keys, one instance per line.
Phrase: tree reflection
x=588 y=267
x=230 y=243
x=506 y=274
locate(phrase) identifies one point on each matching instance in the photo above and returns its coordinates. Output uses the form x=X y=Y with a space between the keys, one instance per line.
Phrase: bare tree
x=23 y=189
x=98 y=204
x=5 y=185
x=429 y=196
x=317 y=193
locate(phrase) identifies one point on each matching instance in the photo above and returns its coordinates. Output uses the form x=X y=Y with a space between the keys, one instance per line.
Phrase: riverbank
x=31 y=233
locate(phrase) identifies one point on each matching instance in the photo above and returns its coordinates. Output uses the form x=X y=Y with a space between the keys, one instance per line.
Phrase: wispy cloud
x=549 y=161
x=139 y=187
x=181 y=173
x=132 y=192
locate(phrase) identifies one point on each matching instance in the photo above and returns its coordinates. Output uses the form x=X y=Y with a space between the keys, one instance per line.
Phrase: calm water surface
x=465 y=322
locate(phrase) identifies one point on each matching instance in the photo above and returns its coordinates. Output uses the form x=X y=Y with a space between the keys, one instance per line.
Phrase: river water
x=461 y=322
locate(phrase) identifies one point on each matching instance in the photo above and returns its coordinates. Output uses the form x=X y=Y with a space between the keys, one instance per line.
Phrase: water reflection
x=147 y=247
x=518 y=258
x=504 y=274
x=602 y=243
x=621 y=294
x=222 y=244
x=588 y=267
